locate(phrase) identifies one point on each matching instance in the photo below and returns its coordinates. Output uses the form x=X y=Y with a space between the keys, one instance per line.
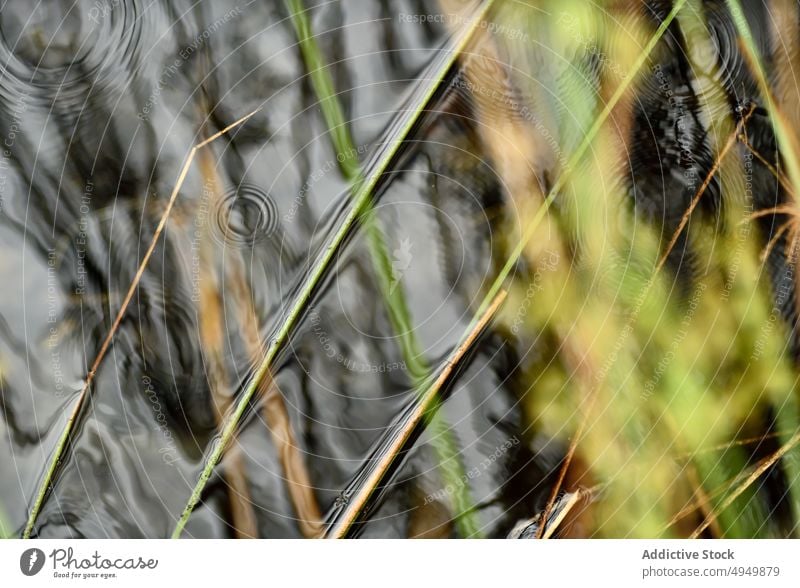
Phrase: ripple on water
x=725 y=64
x=244 y=216
x=65 y=49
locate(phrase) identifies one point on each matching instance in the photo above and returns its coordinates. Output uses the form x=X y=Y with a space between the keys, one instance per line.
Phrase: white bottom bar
x=400 y=563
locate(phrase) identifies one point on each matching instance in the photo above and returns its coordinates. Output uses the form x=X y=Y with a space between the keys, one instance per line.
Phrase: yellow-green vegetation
x=653 y=379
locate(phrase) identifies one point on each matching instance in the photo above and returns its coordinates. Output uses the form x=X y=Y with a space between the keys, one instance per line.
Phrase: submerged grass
x=63 y=441
x=363 y=193
x=656 y=391
x=391 y=289
x=211 y=326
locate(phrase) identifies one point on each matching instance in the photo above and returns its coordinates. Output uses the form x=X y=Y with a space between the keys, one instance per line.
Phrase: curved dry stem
x=763 y=467
x=763 y=160
x=398 y=439
x=63 y=440
x=704 y=186
x=363 y=193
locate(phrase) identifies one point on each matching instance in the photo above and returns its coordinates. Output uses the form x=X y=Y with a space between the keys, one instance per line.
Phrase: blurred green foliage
x=661 y=376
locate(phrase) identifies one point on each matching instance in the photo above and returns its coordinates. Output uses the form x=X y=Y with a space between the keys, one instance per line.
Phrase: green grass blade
x=323 y=86
x=574 y=160
x=444 y=445
x=363 y=193
x=77 y=410
x=787 y=413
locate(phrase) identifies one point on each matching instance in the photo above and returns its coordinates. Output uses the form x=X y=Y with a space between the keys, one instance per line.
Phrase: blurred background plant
x=666 y=357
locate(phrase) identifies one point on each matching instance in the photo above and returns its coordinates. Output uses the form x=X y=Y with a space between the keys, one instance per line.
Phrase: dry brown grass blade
x=276 y=416
x=784 y=181
x=212 y=339
x=69 y=425
x=729 y=445
x=792 y=225
x=702 y=501
x=704 y=186
x=149 y=253
x=274 y=410
x=580 y=366
x=243 y=516
x=560 y=519
x=426 y=401
x=757 y=473
x=572 y=500
x=691 y=505
x=298 y=481
x=429 y=519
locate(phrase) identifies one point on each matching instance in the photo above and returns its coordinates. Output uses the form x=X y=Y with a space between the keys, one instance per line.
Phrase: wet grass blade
x=346 y=156
x=392 y=291
x=395 y=441
x=64 y=438
x=363 y=194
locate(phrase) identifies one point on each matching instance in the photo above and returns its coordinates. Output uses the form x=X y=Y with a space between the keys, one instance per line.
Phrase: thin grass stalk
x=395 y=441
x=788 y=147
x=558 y=186
x=299 y=306
x=757 y=473
x=575 y=159
x=393 y=293
x=691 y=507
x=64 y=438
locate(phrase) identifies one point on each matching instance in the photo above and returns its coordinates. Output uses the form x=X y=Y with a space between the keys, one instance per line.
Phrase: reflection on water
x=105 y=100
x=101 y=104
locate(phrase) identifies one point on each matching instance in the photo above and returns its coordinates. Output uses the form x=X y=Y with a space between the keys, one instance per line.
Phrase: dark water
x=101 y=103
